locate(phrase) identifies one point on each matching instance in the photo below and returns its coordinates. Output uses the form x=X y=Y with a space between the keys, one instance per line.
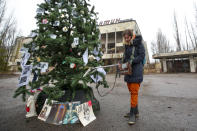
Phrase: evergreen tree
x=66 y=30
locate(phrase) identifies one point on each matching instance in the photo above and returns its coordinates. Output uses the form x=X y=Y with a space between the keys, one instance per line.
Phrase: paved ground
x=167 y=102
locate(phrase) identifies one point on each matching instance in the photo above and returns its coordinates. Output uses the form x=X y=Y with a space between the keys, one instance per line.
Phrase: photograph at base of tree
x=67 y=35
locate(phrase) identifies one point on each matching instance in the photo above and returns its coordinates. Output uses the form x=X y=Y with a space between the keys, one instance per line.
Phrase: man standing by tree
x=134 y=54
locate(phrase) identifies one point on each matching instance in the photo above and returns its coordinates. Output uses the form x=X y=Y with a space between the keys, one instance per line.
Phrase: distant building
x=112 y=40
x=182 y=61
x=18 y=52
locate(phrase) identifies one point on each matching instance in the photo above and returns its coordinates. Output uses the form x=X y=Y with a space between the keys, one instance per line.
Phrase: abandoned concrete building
x=183 y=61
x=112 y=40
x=18 y=52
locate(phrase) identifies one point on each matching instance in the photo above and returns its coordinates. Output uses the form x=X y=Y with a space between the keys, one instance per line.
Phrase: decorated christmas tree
x=64 y=51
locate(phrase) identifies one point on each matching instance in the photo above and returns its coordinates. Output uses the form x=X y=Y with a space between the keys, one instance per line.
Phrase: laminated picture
x=25 y=59
x=45 y=111
x=24 y=80
x=57 y=23
x=57 y=114
x=33 y=47
x=26 y=70
x=85 y=113
x=71 y=114
x=40 y=11
x=24 y=50
x=43 y=66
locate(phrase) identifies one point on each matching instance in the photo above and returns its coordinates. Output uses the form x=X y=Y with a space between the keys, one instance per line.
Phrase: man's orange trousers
x=133 y=89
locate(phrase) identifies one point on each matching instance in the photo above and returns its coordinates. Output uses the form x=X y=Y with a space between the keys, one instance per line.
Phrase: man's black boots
x=132 y=119
x=136 y=113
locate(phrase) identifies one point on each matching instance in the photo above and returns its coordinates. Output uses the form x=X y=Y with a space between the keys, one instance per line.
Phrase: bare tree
x=8 y=35
x=186 y=41
x=154 y=47
x=162 y=42
x=177 y=34
x=194 y=36
x=2 y=10
x=195 y=6
x=189 y=33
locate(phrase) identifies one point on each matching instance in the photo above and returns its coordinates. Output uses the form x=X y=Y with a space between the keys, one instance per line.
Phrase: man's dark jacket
x=137 y=63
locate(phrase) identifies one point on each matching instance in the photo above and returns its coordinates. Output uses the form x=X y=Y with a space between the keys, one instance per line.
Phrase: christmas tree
x=67 y=39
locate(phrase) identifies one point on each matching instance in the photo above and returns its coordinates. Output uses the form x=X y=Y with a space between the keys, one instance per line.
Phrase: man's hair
x=128 y=32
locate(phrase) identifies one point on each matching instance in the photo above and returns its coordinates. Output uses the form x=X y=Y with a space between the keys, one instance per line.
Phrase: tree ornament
x=53 y=36
x=95 y=52
x=48 y=1
x=84 y=20
x=59 y=5
x=72 y=65
x=57 y=23
x=84 y=40
x=38 y=59
x=67 y=15
x=64 y=10
x=44 y=21
x=62 y=16
x=75 y=42
x=65 y=29
x=91 y=58
x=47 y=12
x=44 y=46
x=37 y=48
x=82 y=12
x=85 y=57
x=27 y=109
x=40 y=11
x=73 y=45
x=33 y=34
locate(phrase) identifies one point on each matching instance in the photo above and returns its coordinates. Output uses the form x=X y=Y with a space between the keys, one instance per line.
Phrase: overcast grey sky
x=149 y=14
